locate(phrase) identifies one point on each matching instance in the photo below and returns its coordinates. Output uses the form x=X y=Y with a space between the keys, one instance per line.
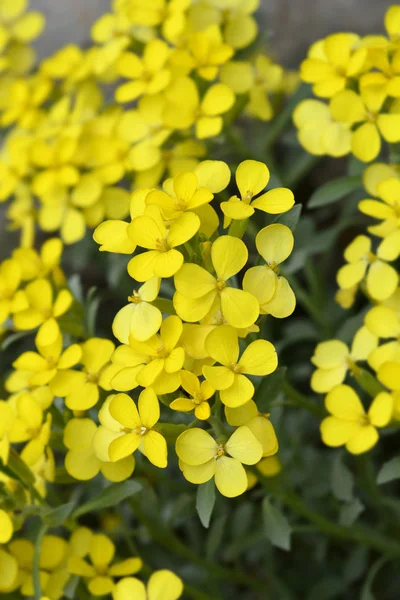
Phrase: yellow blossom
x=199 y=394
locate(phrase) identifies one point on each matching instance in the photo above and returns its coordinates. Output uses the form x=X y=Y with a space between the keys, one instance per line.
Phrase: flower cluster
x=71 y=156
x=370 y=268
x=87 y=555
x=358 y=79
x=167 y=344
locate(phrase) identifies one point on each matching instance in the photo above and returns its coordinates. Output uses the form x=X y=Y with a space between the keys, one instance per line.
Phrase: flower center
x=180 y=204
x=364 y=420
x=161 y=245
x=272 y=265
x=235 y=367
x=220 y=285
x=92 y=377
x=219 y=451
x=135 y=298
x=247 y=197
x=142 y=430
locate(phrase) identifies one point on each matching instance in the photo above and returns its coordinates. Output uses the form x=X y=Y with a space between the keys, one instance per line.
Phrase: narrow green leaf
x=334 y=190
x=366 y=592
x=215 y=536
x=276 y=526
x=54 y=517
x=269 y=389
x=367 y=381
x=110 y=496
x=350 y=512
x=20 y=469
x=205 y=501
x=342 y=481
x=36 y=562
x=389 y=471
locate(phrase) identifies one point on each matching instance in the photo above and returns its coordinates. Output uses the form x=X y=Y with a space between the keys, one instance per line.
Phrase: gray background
x=291 y=26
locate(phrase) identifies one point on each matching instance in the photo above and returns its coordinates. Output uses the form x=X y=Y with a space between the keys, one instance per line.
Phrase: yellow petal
x=123 y=409
x=113 y=237
x=365 y=142
x=164 y=585
x=213 y=175
x=244 y=446
x=381 y=409
x=229 y=255
x=155 y=448
x=259 y=358
x=195 y=447
x=261 y=282
x=239 y=308
x=193 y=281
x=252 y=177
x=149 y=408
x=276 y=201
x=239 y=392
x=323 y=380
x=129 y=588
x=336 y=432
x=343 y=403
x=330 y=354
x=283 y=302
x=223 y=346
x=199 y=473
x=275 y=243
x=382 y=280
x=230 y=477
x=363 y=440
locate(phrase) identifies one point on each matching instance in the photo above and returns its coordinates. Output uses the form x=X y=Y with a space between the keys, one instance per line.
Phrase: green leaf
x=334 y=190
x=36 y=561
x=389 y=471
x=54 y=517
x=367 y=381
x=110 y=496
x=366 y=592
x=342 y=481
x=20 y=469
x=205 y=501
x=350 y=512
x=290 y=218
x=269 y=389
x=276 y=526
x=171 y=431
x=215 y=536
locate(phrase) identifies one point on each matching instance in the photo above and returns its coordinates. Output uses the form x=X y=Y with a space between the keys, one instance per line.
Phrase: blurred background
x=290 y=26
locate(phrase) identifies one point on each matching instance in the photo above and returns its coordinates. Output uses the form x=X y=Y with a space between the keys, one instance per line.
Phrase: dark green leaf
x=215 y=536
x=350 y=512
x=276 y=526
x=14 y=337
x=366 y=592
x=110 y=496
x=290 y=218
x=205 y=501
x=342 y=481
x=389 y=471
x=269 y=389
x=20 y=469
x=334 y=190
x=54 y=517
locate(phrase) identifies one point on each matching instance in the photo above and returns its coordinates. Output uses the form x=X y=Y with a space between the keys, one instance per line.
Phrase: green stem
x=166 y=537
x=36 y=562
x=303 y=401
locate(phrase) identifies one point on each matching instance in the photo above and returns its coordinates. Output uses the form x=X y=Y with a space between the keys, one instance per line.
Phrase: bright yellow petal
x=259 y=358
x=164 y=585
x=252 y=177
x=230 y=477
x=222 y=345
x=275 y=243
x=195 y=447
x=336 y=432
x=229 y=255
x=239 y=308
x=244 y=446
x=343 y=403
x=155 y=448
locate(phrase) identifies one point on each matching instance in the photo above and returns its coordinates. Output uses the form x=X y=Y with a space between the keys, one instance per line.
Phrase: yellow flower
x=201 y=458
x=258 y=423
x=318 y=132
x=207 y=52
x=149 y=74
x=8 y=571
x=384 y=322
x=259 y=358
x=7 y=419
x=331 y=62
x=17 y=26
x=184 y=107
x=252 y=177
x=83 y=462
x=349 y=424
x=10 y=279
x=162 y=584
x=388 y=374
x=29 y=426
x=40 y=264
x=197 y=289
x=40 y=368
x=6 y=527
x=273 y=292
x=366 y=110
x=81 y=388
x=387 y=211
x=139 y=319
x=199 y=394
x=137 y=428
x=24 y=99
x=99 y=572
x=53 y=551
x=381 y=279
x=181 y=194
x=333 y=359
x=162 y=258
x=43 y=310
